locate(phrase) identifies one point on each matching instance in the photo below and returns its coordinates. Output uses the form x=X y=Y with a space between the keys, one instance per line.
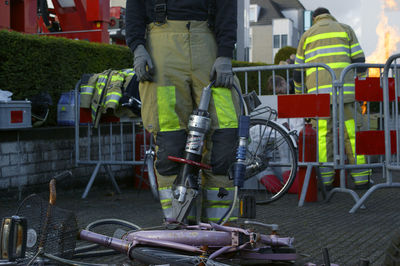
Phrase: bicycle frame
x=206 y=240
x=217 y=239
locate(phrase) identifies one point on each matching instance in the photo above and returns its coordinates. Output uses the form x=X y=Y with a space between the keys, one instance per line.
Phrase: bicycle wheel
x=271 y=161
x=157 y=255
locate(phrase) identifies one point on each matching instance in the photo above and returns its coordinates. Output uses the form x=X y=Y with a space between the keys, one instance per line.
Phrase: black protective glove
x=222 y=73
x=142 y=64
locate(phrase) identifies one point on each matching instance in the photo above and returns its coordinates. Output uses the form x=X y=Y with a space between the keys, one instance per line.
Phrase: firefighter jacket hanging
x=102 y=92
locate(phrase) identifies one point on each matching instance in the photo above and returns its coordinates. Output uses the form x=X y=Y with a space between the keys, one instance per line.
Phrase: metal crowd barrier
x=304 y=114
x=389 y=140
x=387 y=163
x=112 y=143
x=340 y=163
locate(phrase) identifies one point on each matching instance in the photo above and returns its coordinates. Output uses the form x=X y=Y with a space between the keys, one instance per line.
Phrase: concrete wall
x=261 y=50
x=32 y=156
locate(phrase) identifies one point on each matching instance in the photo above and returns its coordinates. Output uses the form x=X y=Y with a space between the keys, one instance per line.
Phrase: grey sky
x=362 y=16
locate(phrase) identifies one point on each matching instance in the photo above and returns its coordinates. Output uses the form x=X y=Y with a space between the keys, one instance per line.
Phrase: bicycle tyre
x=271 y=161
x=158 y=255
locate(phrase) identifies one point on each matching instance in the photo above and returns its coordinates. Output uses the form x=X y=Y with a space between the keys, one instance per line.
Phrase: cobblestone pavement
x=317 y=225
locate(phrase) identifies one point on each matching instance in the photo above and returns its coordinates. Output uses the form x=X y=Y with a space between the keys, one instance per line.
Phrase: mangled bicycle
x=265 y=167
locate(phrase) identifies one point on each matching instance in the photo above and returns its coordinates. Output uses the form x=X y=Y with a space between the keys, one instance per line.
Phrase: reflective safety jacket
x=103 y=91
x=334 y=44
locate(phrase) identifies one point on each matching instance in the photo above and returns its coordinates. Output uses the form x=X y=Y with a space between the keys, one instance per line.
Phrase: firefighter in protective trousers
x=178 y=47
x=336 y=45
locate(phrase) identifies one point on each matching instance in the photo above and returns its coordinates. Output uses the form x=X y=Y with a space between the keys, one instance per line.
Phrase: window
x=283 y=40
x=307 y=19
x=254 y=12
x=277 y=41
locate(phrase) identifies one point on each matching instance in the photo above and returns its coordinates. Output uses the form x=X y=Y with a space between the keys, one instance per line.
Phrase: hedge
x=283 y=54
x=30 y=64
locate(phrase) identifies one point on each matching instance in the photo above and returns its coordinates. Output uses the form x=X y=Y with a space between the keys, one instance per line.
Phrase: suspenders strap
x=160 y=11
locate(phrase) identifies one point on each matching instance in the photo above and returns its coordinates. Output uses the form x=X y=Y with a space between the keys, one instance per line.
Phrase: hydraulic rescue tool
x=186 y=185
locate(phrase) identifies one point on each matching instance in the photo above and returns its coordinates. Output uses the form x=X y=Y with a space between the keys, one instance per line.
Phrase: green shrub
x=30 y=64
x=283 y=54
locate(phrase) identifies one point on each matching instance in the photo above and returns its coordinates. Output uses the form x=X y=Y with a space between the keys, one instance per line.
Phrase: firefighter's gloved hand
x=222 y=73
x=142 y=64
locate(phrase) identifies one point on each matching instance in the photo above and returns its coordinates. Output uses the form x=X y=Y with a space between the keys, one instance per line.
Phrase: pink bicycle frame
x=219 y=240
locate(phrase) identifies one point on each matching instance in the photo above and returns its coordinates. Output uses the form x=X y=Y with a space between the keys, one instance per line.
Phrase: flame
x=391 y=4
x=388 y=38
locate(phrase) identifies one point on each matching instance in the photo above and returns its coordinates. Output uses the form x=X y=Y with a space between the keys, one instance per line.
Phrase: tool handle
x=53 y=194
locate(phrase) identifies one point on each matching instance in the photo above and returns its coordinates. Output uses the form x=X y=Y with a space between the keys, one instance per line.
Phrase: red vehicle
x=75 y=19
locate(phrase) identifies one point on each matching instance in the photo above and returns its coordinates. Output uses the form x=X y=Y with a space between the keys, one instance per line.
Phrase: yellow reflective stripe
x=86 y=93
x=364 y=173
x=349 y=89
x=217 y=188
x=356 y=53
x=326 y=47
x=232 y=218
x=117 y=78
x=300 y=57
x=327 y=35
x=298 y=88
x=320 y=88
x=331 y=65
x=327 y=54
x=226 y=112
x=327 y=174
x=218 y=206
x=360 y=182
x=164 y=188
x=167 y=117
x=166 y=203
x=114 y=93
x=330 y=93
x=322 y=132
x=112 y=100
x=94 y=111
x=351 y=132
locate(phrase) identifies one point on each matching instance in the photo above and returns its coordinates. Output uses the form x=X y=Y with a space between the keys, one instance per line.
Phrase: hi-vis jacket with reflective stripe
x=334 y=44
x=103 y=91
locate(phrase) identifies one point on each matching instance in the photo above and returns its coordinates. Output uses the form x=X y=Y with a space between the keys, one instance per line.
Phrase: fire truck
x=91 y=20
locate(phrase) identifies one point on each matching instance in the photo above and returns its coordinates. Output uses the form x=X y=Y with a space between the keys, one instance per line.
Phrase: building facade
x=274 y=24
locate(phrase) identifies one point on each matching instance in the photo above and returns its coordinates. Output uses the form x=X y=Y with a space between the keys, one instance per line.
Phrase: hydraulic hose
x=239 y=166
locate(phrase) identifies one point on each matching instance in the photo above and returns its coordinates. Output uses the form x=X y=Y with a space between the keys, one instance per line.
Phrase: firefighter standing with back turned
x=336 y=45
x=178 y=47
